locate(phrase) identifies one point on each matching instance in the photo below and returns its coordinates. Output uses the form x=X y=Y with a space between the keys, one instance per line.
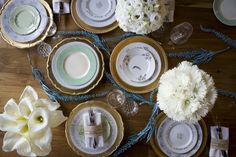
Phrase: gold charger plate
x=112 y=111
x=76 y=91
x=39 y=39
x=116 y=52
x=87 y=27
x=156 y=147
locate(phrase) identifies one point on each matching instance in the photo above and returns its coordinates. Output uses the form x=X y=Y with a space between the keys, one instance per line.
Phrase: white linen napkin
x=170 y=6
x=56 y=6
x=87 y=125
x=215 y=149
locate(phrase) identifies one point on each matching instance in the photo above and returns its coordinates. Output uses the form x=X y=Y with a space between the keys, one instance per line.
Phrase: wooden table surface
x=15 y=74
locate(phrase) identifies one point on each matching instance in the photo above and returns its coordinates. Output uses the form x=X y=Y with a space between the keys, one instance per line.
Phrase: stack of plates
x=94 y=16
x=25 y=23
x=75 y=66
x=225 y=11
x=137 y=63
x=178 y=139
x=113 y=129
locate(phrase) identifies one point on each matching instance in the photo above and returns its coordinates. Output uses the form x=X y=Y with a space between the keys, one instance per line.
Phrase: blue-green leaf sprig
x=226 y=39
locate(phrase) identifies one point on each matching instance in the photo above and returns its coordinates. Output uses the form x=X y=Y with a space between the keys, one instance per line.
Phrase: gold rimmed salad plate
x=173 y=138
x=137 y=63
x=114 y=120
x=25 y=24
x=24 y=19
x=225 y=11
x=97 y=17
x=75 y=66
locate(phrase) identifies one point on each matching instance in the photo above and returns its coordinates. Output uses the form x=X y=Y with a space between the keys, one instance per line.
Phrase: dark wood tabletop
x=15 y=74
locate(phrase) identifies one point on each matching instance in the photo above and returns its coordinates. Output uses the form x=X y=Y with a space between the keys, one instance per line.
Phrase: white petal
x=30 y=93
x=45 y=103
x=42 y=139
x=12 y=109
x=7 y=123
x=14 y=141
x=56 y=118
x=26 y=107
x=40 y=152
x=38 y=120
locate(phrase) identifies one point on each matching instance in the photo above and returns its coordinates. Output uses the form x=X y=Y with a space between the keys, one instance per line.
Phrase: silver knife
x=220 y=136
x=61 y=10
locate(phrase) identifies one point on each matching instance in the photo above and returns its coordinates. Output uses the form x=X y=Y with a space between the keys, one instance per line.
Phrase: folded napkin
x=219 y=145
x=93 y=131
x=56 y=6
x=170 y=7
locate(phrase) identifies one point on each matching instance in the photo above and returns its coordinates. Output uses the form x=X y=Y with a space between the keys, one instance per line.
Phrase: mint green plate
x=225 y=11
x=24 y=19
x=63 y=74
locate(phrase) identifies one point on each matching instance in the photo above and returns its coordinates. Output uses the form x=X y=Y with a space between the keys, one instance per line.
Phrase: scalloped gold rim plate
x=156 y=147
x=87 y=27
x=39 y=39
x=77 y=91
x=117 y=50
x=111 y=110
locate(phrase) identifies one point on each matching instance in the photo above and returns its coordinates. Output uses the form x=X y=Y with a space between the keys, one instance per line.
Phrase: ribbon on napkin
x=93 y=130
x=219 y=146
x=56 y=6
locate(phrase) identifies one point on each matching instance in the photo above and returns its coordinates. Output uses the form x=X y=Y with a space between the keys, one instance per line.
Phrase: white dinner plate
x=76 y=73
x=99 y=13
x=24 y=37
x=179 y=139
x=78 y=141
x=138 y=64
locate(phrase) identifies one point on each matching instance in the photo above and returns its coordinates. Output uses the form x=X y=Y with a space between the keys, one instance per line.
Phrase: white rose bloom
x=140 y=16
x=186 y=93
x=28 y=125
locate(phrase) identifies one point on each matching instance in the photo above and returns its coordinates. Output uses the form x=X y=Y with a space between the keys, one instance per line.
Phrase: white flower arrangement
x=140 y=16
x=28 y=125
x=186 y=93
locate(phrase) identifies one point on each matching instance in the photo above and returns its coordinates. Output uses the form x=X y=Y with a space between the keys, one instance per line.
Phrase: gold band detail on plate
x=112 y=111
x=84 y=26
x=117 y=50
x=75 y=91
x=36 y=41
x=158 y=150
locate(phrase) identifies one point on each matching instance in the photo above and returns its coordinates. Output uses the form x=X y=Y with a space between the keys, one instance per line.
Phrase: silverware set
x=92 y=123
x=219 y=134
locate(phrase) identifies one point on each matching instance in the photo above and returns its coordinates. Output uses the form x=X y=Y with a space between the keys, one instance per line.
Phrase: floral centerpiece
x=140 y=16
x=186 y=93
x=28 y=125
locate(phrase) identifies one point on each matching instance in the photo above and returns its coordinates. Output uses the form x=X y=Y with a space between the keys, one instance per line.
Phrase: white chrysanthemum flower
x=140 y=16
x=28 y=125
x=186 y=93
